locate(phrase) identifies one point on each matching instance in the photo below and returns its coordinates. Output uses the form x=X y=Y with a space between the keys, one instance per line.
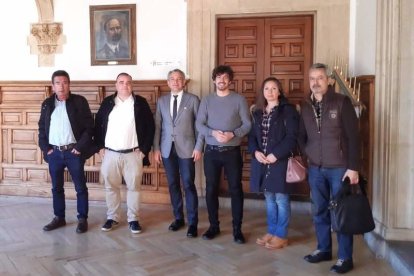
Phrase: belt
x=123 y=151
x=64 y=148
x=221 y=148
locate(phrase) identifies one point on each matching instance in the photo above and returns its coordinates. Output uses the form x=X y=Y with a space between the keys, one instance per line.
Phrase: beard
x=222 y=86
x=115 y=38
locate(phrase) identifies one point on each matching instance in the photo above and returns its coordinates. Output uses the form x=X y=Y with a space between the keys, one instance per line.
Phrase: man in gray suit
x=178 y=146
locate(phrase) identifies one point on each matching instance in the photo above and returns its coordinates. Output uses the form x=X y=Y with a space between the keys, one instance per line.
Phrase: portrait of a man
x=113 y=34
x=115 y=46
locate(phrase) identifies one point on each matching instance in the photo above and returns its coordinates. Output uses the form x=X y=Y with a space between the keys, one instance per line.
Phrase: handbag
x=295 y=172
x=350 y=210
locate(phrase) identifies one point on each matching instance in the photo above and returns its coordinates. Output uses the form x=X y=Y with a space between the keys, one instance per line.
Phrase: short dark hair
x=222 y=69
x=320 y=66
x=261 y=101
x=176 y=70
x=60 y=73
x=123 y=74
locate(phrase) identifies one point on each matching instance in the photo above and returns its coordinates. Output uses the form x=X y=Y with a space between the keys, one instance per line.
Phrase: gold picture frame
x=113 y=34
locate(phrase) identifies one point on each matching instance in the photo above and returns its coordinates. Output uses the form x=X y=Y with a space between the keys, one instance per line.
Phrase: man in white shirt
x=124 y=132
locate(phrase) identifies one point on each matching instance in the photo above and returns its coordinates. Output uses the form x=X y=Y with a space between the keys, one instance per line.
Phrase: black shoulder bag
x=350 y=210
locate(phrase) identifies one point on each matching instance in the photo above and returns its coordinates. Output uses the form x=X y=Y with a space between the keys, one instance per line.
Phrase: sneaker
x=135 y=227
x=342 y=266
x=318 y=256
x=109 y=225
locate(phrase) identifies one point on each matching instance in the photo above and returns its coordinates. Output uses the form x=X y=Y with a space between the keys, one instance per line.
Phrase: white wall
x=161 y=40
x=362 y=37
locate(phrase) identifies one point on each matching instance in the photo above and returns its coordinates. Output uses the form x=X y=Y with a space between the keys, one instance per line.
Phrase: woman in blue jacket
x=271 y=141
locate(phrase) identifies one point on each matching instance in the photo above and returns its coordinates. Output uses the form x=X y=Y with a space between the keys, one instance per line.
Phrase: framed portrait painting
x=113 y=30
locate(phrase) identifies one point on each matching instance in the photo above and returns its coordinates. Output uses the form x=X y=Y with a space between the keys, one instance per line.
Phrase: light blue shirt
x=60 y=132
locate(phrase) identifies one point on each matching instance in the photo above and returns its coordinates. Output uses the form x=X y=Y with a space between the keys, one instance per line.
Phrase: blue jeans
x=278 y=213
x=58 y=160
x=325 y=183
x=174 y=167
x=214 y=162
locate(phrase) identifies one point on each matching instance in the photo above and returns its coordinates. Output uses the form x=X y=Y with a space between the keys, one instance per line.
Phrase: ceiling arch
x=45 y=10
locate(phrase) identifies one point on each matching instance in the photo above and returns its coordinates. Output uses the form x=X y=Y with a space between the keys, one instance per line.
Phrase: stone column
x=393 y=176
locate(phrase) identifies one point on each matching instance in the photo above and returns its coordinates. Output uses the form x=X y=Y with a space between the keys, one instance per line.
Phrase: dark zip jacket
x=81 y=121
x=144 y=124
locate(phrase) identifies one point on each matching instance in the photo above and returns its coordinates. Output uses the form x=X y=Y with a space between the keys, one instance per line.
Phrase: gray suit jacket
x=182 y=132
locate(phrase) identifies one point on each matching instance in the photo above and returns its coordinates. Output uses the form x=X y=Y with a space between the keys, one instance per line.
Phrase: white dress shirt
x=121 y=133
x=180 y=96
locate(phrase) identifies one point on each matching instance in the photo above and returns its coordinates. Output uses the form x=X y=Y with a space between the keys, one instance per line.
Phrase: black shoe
x=135 y=227
x=176 y=225
x=342 y=266
x=192 y=231
x=109 y=225
x=55 y=223
x=238 y=236
x=318 y=256
x=82 y=226
x=211 y=233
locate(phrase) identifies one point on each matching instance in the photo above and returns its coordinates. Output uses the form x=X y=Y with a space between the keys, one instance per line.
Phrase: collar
x=113 y=47
x=59 y=101
x=179 y=94
x=118 y=99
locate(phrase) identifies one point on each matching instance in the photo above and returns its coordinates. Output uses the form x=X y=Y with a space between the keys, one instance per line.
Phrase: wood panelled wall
x=22 y=168
x=366 y=128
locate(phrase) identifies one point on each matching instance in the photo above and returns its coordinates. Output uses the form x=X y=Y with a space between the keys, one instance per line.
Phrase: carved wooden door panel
x=260 y=47
x=288 y=52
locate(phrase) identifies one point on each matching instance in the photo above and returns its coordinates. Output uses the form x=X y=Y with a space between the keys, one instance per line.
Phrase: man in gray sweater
x=224 y=119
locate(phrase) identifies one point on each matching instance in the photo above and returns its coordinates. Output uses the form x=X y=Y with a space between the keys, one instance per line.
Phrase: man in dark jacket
x=328 y=135
x=124 y=133
x=65 y=138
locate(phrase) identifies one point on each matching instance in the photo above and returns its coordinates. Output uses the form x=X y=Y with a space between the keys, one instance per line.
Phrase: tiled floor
x=27 y=250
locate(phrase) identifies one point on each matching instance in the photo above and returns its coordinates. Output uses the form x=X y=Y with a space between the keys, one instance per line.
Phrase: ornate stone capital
x=46 y=40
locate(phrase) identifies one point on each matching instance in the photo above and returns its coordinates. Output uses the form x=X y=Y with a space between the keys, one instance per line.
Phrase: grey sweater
x=229 y=113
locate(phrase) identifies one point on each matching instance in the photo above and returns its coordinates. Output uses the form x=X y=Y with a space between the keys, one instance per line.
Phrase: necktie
x=175 y=107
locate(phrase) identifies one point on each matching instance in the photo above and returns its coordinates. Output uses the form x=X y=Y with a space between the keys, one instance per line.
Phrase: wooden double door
x=259 y=47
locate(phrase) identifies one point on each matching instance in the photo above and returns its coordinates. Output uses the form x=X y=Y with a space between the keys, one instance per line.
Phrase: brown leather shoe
x=276 y=243
x=55 y=223
x=263 y=240
x=82 y=226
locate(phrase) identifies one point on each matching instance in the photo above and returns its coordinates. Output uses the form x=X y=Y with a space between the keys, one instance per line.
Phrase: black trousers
x=184 y=167
x=214 y=162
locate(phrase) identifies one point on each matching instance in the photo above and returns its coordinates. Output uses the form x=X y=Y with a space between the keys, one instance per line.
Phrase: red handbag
x=296 y=172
